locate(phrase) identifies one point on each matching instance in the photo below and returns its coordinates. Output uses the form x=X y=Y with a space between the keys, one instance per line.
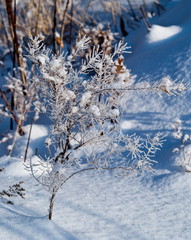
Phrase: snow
x=127 y=124
x=99 y=205
x=158 y=33
x=95 y=110
x=38 y=135
x=24 y=227
x=114 y=112
x=42 y=59
x=75 y=109
x=68 y=95
x=85 y=98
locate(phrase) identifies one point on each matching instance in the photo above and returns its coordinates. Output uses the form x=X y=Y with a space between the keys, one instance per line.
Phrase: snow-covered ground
x=99 y=205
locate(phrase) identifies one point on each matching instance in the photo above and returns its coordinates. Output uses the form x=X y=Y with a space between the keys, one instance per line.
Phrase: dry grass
x=60 y=22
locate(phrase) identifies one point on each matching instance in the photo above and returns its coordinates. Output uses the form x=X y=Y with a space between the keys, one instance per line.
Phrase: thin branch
x=28 y=141
x=54 y=26
x=21 y=131
x=12 y=25
x=156 y=89
x=37 y=17
x=94 y=168
x=63 y=24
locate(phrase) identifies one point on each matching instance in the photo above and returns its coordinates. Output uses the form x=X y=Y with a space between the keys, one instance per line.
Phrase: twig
x=21 y=132
x=12 y=25
x=158 y=6
x=6 y=35
x=147 y=25
x=144 y=14
x=132 y=11
x=37 y=17
x=54 y=26
x=28 y=140
x=63 y=24
x=71 y=25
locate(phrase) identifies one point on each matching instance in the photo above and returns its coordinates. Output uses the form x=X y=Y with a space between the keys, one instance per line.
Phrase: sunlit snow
x=158 y=33
x=102 y=206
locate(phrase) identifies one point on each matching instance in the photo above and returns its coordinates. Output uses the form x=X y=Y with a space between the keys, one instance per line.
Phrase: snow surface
x=99 y=205
x=158 y=33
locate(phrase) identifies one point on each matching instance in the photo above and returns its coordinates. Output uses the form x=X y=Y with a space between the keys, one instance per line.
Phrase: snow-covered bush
x=16 y=190
x=22 y=97
x=85 y=108
x=99 y=37
x=184 y=151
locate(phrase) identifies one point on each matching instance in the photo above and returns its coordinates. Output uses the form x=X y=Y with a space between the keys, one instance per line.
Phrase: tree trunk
x=51 y=205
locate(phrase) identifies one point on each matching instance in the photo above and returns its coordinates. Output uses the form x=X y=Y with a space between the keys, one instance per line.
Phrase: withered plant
x=86 y=111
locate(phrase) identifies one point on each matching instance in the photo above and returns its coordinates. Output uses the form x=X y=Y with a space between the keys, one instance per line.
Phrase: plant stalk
x=52 y=199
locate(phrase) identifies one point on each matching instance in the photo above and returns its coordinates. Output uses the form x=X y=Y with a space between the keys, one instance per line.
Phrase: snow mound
x=13 y=167
x=24 y=227
x=158 y=33
x=38 y=135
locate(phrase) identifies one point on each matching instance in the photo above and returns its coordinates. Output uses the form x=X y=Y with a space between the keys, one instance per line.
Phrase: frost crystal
x=168 y=86
x=95 y=110
x=84 y=105
x=85 y=98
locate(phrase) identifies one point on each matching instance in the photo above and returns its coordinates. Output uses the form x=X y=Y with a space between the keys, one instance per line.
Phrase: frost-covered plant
x=99 y=37
x=85 y=108
x=23 y=96
x=16 y=190
x=184 y=149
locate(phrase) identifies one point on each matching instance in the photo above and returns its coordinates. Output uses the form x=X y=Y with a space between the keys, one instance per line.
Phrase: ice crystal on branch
x=168 y=86
x=84 y=105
